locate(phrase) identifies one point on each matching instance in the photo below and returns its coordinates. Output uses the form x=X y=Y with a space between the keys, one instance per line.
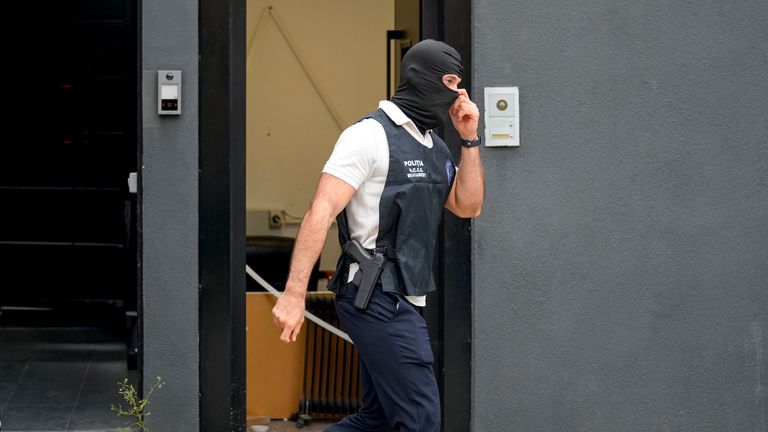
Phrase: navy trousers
x=399 y=387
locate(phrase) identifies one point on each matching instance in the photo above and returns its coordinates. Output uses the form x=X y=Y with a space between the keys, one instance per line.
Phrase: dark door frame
x=449 y=310
x=222 y=215
x=222 y=224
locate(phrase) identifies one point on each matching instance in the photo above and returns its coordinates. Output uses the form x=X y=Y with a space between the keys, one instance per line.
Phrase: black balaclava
x=422 y=95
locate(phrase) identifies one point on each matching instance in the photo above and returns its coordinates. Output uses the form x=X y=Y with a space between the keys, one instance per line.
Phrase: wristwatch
x=471 y=143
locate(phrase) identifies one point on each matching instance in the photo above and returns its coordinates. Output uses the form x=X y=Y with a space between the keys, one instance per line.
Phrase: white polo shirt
x=361 y=159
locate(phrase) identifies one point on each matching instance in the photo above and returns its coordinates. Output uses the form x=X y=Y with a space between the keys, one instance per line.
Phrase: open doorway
x=68 y=302
x=311 y=71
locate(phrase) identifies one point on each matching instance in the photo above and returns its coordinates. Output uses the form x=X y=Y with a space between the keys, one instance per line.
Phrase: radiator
x=331 y=388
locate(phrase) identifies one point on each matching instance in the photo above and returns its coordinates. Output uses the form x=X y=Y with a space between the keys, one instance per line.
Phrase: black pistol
x=370 y=267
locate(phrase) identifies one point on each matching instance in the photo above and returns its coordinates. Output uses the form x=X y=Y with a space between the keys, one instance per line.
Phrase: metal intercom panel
x=502 y=117
x=169 y=92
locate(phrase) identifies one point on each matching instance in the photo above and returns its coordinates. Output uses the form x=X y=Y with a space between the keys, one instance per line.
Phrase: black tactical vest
x=411 y=208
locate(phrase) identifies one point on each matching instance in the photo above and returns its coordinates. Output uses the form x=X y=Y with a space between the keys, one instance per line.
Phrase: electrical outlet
x=276 y=219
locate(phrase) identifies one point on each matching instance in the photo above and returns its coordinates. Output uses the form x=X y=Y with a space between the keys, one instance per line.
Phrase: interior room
x=312 y=70
x=68 y=309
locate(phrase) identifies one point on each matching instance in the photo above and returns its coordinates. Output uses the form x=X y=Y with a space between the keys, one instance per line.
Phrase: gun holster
x=367 y=275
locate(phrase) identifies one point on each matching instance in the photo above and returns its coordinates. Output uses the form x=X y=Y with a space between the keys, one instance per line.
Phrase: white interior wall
x=290 y=132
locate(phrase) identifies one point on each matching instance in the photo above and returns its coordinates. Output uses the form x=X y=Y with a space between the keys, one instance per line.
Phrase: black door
x=69 y=142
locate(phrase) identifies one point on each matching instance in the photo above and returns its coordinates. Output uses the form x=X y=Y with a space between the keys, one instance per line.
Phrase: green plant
x=137 y=408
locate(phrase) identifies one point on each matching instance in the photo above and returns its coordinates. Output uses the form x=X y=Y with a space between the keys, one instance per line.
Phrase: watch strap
x=471 y=143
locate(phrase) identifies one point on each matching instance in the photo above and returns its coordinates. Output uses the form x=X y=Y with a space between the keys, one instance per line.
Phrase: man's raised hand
x=465 y=115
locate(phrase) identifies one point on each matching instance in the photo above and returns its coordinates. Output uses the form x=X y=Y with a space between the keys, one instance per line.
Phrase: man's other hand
x=288 y=314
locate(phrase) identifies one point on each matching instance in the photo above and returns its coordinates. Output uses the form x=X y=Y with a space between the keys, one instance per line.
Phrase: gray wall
x=170 y=212
x=621 y=261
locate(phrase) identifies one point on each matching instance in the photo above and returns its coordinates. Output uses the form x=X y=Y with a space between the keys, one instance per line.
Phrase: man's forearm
x=470 y=181
x=331 y=196
x=309 y=244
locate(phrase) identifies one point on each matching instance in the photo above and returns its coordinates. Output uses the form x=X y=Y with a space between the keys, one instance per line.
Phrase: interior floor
x=61 y=379
x=286 y=426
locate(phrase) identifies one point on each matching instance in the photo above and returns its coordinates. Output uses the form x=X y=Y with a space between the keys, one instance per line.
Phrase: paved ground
x=68 y=384
x=59 y=386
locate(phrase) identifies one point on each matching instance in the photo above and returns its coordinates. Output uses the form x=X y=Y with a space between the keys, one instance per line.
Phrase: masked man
x=387 y=181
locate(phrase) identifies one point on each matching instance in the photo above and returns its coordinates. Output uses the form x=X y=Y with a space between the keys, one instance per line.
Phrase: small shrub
x=136 y=408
